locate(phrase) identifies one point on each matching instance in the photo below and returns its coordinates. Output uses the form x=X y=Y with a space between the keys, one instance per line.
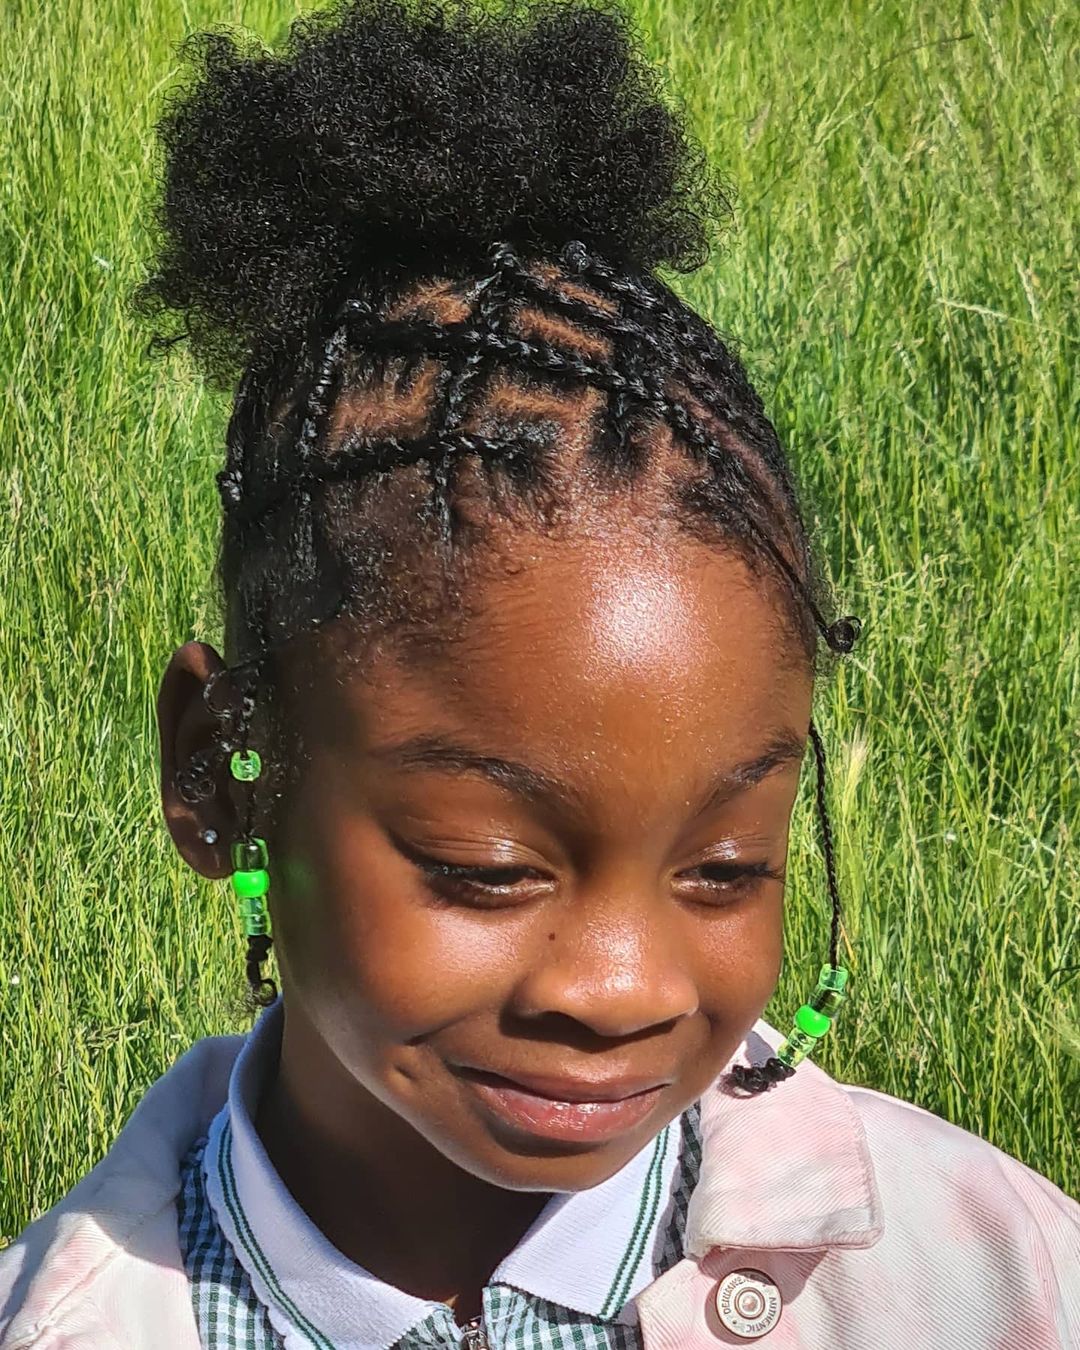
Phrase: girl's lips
x=567 y=1121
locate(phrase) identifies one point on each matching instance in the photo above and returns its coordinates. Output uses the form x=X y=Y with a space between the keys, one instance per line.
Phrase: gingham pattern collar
x=590 y=1251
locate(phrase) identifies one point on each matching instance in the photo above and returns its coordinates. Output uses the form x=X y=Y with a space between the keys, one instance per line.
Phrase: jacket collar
x=786 y=1168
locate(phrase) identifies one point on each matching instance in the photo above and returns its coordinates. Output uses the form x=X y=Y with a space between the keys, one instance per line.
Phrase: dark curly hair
x=424 y=240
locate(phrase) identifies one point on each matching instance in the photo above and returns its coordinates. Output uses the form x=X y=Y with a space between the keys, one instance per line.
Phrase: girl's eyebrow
x=431 y=750
x=784 y=747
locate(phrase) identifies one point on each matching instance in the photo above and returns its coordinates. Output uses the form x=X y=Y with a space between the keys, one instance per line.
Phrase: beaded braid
x=263 y=990
x=760 y=1077
x=644 y=312
x=196 y=782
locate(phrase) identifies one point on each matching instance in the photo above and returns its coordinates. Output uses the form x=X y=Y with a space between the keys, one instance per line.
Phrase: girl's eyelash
x=436 y=869
x=452 y=883
x=741 y=872
x=457 y=872
x=737 y=877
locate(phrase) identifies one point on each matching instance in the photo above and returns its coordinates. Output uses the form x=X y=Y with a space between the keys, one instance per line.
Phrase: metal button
x=748 y=1303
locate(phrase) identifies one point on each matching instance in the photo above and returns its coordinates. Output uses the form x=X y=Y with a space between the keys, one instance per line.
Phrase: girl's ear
x=186 y=727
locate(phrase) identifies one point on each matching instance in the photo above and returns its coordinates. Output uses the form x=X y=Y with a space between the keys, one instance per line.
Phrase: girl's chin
x=558 y=1169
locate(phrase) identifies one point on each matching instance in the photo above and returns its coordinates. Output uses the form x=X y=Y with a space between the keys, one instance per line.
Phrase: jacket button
x=748 y=1303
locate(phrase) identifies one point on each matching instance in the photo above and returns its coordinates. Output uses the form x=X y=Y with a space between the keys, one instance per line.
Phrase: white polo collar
x=590 y=1251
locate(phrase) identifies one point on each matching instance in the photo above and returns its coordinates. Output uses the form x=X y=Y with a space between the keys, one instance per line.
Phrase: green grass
x=904 y=283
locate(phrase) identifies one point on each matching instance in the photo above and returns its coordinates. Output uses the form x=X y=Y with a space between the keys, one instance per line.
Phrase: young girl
x=521 y=628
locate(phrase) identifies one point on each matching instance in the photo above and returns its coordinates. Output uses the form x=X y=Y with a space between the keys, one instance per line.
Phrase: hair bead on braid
x=251 y=879
x=516 y=233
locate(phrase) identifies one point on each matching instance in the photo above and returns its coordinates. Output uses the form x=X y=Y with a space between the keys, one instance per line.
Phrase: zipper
x=472 y=1335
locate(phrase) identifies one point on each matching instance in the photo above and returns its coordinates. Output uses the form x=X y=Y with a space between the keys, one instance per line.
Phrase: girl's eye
x=731 y=880
x=715 y=883
x=476 y=885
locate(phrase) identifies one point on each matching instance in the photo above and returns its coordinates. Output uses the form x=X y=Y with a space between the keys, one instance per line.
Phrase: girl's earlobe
x=197 y=815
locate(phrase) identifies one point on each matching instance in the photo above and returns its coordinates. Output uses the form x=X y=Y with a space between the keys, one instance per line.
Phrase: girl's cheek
x=737 y=958
x=408 y=966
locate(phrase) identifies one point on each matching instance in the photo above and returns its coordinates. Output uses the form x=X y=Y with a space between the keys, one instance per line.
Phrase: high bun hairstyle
x=422 y=243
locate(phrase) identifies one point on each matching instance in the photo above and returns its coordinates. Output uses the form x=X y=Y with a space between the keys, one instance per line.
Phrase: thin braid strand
x=827 y=844
x=467 y=377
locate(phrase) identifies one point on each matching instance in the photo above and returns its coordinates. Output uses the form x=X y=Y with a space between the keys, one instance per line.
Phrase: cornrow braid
x=465 y=346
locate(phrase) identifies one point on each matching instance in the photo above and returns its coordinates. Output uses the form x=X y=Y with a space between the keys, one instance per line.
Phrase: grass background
x=904 y=283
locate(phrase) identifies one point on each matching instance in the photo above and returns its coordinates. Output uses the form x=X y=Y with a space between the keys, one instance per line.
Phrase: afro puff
x=387 y=135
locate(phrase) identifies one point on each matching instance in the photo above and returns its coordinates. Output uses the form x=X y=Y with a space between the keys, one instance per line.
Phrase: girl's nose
x=618 y=967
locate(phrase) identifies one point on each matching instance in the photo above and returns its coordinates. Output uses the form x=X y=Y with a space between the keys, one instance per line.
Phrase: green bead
x=255 y=915
x=827 y=1001
x=247 y=884
x=833 y=977
x=810 y=1021
x=245 y=765
x=795 y=1049
x=248 y=855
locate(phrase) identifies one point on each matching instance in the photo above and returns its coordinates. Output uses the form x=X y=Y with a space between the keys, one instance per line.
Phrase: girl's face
x=528 y=896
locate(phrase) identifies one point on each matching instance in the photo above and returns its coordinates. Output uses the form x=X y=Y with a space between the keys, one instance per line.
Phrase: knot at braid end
x=229 y=483
x=575 y=257
x=843 y=633
x=759 y=1077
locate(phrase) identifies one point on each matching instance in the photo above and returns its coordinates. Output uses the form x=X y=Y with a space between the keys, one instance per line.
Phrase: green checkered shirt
x=231 y=1317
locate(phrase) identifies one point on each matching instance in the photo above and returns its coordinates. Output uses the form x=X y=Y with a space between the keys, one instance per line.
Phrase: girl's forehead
x=601 y=647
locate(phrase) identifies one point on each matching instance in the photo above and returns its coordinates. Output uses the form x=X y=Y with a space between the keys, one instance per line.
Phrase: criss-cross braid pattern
x=666 y=368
